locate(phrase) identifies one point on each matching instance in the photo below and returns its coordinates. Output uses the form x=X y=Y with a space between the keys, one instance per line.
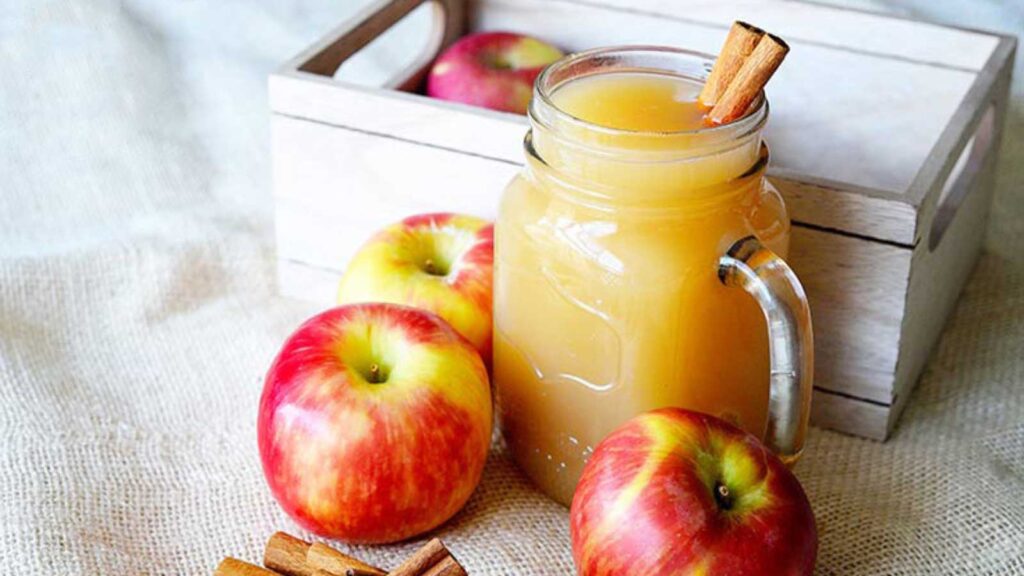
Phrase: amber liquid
x=607 y=300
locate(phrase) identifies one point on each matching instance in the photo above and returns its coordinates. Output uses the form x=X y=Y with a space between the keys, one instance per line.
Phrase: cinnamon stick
x=739 y=44
x=423 y=559
x=235 y=567
x=347 y=572
x=448 y=566
x=359 y=572
x=287 y=555
x=322 y=557
x=750 y=80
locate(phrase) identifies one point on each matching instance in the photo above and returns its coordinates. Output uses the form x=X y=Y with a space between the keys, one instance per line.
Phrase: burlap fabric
x=138 y=314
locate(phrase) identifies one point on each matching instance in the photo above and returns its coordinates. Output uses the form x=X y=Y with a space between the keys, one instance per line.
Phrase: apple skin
x=393 y=267
x=647 y=503
x=373 y=462
x=493 y=70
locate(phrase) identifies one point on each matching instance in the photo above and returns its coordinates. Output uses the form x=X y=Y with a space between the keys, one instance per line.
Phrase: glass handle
x=766 y=277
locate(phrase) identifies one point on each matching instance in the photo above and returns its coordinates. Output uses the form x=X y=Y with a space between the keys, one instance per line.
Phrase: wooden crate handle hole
x=962 y=177
x=448 y=24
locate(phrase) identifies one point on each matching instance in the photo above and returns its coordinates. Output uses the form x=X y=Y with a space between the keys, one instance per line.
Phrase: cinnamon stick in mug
x=739 y=44
x=750 y=80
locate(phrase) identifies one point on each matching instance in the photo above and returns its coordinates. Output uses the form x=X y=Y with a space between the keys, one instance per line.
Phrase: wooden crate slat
x=350 y=184
x=827 y=205
x=854 y=30
x=849 y=415
x=304 y=282
x=401 y=115
x=856 y=289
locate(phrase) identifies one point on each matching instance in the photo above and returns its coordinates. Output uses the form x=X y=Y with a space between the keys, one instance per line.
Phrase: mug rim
x=752 y=121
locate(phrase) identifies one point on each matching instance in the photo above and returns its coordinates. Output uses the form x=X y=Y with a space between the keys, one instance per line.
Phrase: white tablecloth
x=138 y=314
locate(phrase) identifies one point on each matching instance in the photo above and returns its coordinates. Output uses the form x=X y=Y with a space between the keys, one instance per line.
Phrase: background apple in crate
x=884 y=134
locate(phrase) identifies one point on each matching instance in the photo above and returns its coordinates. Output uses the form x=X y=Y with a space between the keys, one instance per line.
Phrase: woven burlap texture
x=138 y=314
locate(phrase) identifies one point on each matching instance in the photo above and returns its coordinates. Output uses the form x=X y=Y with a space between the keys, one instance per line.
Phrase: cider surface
x=633 y=101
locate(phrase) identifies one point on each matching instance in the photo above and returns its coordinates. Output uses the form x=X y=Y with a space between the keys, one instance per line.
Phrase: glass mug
x=639 y=267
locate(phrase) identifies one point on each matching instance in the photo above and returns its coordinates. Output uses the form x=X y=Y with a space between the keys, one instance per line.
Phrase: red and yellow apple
x=438 y=262
x=679 y=492
x=493 y=70
x=374 y=423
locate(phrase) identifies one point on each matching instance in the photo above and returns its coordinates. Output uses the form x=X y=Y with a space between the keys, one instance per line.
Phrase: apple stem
x=374 y=373
x=429 y=266
x=723 y=496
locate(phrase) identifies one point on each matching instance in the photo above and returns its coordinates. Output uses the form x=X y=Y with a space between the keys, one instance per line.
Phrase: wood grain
x=846 y=208
x=400 y=115
x=856 y=289
x=849 y=415
x=323 y=175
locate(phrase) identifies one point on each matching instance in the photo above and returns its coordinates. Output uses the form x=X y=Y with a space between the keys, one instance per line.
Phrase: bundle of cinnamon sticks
x=287 y=555
x=748 y=60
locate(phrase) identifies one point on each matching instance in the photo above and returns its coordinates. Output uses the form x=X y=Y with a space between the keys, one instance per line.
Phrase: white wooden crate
x=884 y=136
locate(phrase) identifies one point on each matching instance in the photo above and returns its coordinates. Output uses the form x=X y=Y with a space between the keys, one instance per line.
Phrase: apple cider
x=635 y=267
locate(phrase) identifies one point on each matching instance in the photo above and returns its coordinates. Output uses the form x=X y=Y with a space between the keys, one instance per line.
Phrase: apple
x=438 y=262
x=679 y=492
x=374 y=423
x=493 y=70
